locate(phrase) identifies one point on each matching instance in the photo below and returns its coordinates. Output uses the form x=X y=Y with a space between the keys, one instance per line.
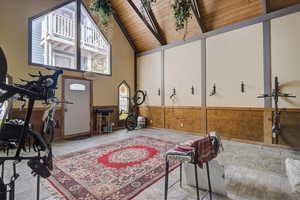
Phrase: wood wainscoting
x=183 y=119
x=250 y=125
x=37 y=114
x=36 y=120
x=155 y=116
x=290 y=127
x=239 y=123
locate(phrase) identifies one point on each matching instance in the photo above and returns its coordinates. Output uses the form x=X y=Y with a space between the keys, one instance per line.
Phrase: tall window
x=58 y=39
x=123 y=100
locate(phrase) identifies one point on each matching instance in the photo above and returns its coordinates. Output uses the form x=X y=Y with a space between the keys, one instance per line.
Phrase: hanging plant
x=147 y=3
x=146 y=6
x=103 y=9
x=182 y=11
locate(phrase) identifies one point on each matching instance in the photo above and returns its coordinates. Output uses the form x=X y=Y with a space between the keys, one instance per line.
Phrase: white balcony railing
x=64 y=27
x=92 y=37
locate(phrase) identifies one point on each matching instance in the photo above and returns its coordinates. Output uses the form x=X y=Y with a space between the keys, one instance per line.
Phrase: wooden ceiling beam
x=155 y=24
x=196 y=11
x=154 y=29
x=124 y=30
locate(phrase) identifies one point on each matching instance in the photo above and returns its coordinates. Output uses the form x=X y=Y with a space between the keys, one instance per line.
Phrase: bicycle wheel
x=48 y=135
x=139 y=97
x=131 y=122
x=3 y=189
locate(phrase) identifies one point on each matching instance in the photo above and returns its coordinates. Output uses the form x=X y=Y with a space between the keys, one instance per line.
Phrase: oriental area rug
x=120 y=170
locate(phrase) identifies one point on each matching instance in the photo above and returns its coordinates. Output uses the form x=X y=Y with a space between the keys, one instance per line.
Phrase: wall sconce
x=193 y=90
x=214 y=91
x=242 y=87
x=173 y=93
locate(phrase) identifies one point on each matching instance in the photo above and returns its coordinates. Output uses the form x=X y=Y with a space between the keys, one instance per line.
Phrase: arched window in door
x=124 y=97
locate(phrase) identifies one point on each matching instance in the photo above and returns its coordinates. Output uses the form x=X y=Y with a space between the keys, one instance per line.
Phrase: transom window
x=67 y=37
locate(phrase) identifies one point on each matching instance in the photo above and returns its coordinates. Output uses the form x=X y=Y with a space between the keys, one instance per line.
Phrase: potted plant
x=147 y=3
x=103 y=9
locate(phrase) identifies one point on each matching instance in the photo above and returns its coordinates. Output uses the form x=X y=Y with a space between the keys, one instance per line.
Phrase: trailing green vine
x=103 y=9
x=147 y=3
x=182 y=11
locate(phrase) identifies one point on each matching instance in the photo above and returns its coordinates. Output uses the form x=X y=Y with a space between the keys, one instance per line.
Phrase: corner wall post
x=203 y=87
x=162 y=93
x=267 y=81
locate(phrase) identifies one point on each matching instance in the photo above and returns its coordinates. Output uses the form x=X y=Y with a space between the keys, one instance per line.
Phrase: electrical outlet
x=151 y=121
x=181 y=125
x=113 y=124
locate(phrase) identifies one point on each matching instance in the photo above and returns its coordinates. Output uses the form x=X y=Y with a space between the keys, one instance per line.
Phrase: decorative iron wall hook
x=193 y=90
x=242 y=87
x=173 y=93
x=214 y=91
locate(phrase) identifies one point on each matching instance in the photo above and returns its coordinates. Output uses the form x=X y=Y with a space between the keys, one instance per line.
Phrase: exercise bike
x=276 y=93
x=137 y=100
x=41 y=89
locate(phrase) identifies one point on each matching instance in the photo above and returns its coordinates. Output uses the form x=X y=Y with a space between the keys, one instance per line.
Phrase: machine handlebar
x=41 y=89
x=12 y=90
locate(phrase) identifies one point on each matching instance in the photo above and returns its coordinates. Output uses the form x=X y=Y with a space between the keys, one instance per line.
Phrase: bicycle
x=137 y=100
x=276 y=125
x=48 y=121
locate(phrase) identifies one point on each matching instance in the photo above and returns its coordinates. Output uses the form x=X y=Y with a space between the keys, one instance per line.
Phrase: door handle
x=66 y=110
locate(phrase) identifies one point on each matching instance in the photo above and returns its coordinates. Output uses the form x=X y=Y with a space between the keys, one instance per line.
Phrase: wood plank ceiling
x=214 y=14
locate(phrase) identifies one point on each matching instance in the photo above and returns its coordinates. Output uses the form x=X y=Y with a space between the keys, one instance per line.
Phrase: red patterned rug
x=119 y=170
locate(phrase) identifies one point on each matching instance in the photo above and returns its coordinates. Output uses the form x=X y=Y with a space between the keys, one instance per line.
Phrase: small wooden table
x=103 y=121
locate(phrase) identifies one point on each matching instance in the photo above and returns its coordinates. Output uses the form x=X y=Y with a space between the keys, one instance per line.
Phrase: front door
x=77 y=116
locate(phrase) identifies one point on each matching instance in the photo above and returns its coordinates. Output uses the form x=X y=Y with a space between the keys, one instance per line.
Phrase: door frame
x=64 y=77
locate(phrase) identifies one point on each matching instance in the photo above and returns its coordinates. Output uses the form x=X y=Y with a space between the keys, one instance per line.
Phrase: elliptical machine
x=41 y=89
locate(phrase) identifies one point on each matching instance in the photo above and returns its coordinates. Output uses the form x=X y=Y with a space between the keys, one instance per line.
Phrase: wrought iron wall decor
x=214 y=90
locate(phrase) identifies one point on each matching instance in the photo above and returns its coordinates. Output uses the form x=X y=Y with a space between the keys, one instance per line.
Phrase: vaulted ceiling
x=213 y=14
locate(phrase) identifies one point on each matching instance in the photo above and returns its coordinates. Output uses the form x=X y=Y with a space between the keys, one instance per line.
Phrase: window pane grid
x=67 y=37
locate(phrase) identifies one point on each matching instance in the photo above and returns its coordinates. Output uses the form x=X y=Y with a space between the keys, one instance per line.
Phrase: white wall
x=285 y=51
x=234 y=57
x=182 y=71
x=149 y=77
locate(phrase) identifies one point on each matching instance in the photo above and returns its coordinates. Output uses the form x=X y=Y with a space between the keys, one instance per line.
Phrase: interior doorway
x=77 y=116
